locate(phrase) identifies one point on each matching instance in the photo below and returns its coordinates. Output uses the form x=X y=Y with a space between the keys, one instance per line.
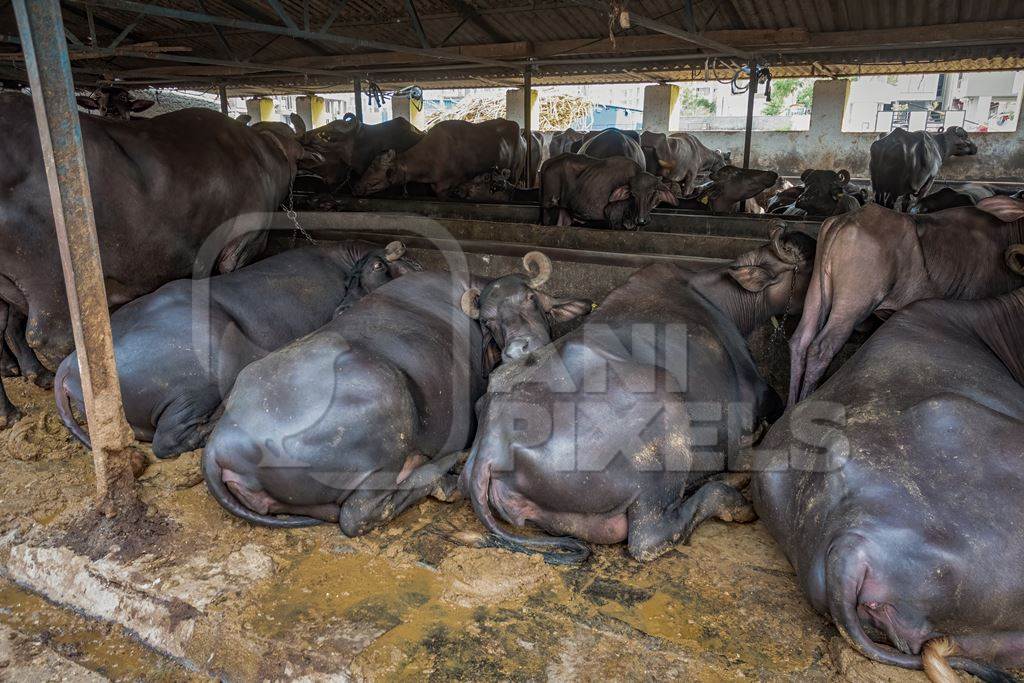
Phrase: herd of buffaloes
x=343 y=382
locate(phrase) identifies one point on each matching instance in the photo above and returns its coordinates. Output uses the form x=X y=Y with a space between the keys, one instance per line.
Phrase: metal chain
x=289 y=211
x=780 y=330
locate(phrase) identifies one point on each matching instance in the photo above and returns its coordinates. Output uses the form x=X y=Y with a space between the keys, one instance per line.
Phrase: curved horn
x=777 y=230
x=394 y=251
x=470 y=303
x=536 y=261
x=1015 y=258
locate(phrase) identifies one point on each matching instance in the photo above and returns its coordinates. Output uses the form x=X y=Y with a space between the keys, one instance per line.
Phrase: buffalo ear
x=141 y=105
x=752 y=278
x=803 y=176
x=564 y=310
x=619 y=194
x=298 y=124
x=86 y=102
x=844 y=176
x=666 y=196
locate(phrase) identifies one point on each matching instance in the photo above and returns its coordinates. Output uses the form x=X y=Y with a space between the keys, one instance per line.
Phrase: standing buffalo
x=597 y=437
x=682 y=157
x=451 y=153
x=179 y=349
x=906 y=164
x=114 y=102
x=613 y=143
x=875 y=259
x=896 y=492
x=160 y=188
x=616 y=190
x=561 y=143
x=348 y=146
x=363 y=418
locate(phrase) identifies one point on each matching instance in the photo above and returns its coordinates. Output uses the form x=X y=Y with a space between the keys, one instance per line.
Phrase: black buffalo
x=613 y=142
x=366 y=413
x=895 y=492
x=599 y=435
x=114 y=102
x=179 y=349
x=348 y=147
x=904 y=165
x=616 y=190
x=729 y=189
x=160 y=188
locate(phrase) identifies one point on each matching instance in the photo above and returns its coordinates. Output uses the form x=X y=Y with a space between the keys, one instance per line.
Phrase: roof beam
x=681 y=34
x=470 y=14
x=184 y=15
x=417 y=27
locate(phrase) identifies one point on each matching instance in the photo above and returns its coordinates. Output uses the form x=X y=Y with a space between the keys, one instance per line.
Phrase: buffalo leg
x=367 y=509
x=8 y=363
x=653 y=528
x=824 y=348
x=9 y=413
x=31 y=368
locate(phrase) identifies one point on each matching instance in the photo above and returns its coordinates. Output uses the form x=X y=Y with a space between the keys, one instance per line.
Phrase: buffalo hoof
x=447 y=489
x=9 y=417
x=43 y=379
x=10 y=370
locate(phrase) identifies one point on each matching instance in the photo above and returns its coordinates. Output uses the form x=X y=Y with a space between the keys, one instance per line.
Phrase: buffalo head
x=630 y=205
x=287 y=139
x=379 y=175
x=377 y=268
x=493 y=186
x=733 y=185
x=958 y=144
x=515 y=314
x=779 y=272
x=822 y=191
x=335 y=142
x=113 y=102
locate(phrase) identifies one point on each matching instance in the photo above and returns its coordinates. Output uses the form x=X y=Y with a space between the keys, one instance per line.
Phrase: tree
x=783 y=89
x=692 y=104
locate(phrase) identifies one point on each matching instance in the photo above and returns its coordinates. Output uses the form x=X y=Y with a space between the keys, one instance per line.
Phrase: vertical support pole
x=223 y=92
x=751 y=93
x=528 y=123
x=46 y=58
x=357 y=88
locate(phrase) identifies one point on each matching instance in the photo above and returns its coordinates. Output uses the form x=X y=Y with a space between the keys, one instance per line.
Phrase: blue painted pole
x=46 y=58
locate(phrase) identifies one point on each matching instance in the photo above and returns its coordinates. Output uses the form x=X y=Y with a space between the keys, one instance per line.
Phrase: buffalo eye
x=378 y=266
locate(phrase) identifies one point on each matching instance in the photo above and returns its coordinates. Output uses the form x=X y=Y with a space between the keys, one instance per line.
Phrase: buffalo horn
x=776 y=232
x=394 y=251
x=536 y=261
x=470 y=303
x=1015 y=258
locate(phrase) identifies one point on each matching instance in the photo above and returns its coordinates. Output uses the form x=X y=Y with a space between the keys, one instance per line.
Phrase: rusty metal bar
x=357 y=90
x=223 y=92
x=528 y=122
x=53 y=95
x=749 y=128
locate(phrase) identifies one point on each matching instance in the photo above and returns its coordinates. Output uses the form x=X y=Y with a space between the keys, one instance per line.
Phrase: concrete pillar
x=260 y=108
x=409 y=109
x=661 y=110
x=829 y=105
x=310 y=109
x=514 y=106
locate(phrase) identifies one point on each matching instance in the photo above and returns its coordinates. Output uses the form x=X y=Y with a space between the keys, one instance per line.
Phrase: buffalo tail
x=62 y=397
x=844 y=571
x=223 y=495
x=555 y=550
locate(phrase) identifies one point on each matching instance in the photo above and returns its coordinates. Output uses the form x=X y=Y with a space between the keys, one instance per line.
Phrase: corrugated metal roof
x=795 y=37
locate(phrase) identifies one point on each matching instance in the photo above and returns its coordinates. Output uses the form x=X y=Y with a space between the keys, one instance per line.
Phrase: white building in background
x=981 y=102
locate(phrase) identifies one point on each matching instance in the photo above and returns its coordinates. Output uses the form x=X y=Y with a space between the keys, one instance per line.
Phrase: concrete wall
x=825 y=146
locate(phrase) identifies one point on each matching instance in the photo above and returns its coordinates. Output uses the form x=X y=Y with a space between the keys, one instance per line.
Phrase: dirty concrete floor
x=418 y=598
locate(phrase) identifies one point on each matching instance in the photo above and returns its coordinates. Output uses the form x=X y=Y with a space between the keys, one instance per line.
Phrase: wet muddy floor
x=417 y=599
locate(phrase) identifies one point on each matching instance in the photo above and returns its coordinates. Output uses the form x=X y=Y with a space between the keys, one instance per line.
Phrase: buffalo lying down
x=363 y=418
x=178 y=353
x=592 y=439
x=160 y=188
x=616 y=190
x=875 y=259
x=903 y=509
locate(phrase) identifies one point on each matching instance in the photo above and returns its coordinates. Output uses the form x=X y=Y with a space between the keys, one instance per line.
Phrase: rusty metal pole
x=46 y=59
x=748 y=131
x=223 y=92
x=357 y=90
x=528 y=122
